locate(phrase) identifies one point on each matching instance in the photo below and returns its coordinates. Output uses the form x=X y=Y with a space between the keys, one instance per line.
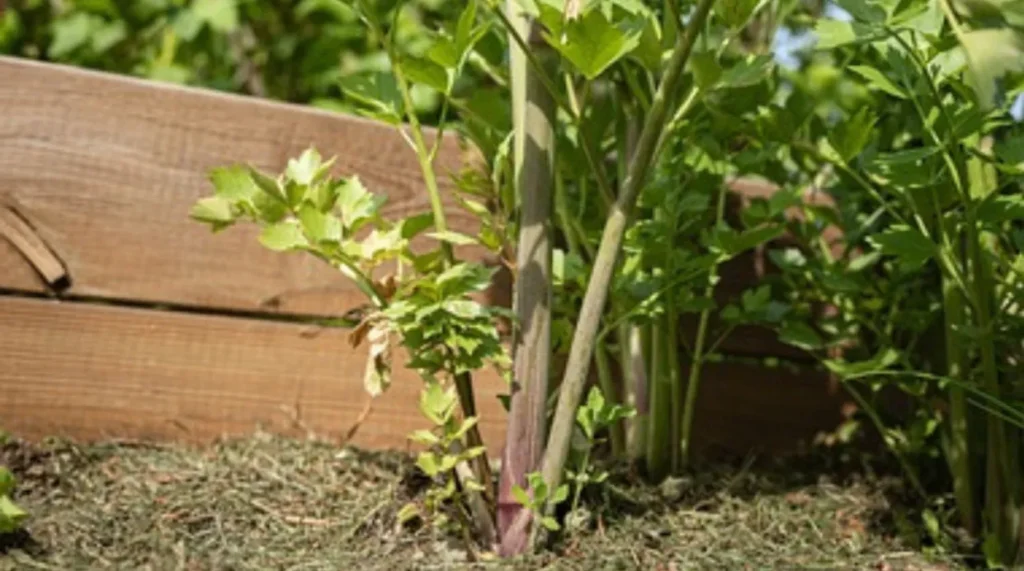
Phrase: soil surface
x=271 y=503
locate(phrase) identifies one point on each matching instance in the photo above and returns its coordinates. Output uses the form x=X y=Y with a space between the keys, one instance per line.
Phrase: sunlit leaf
x=883 y=360
x=283 y=236
x=878 y=80
x=455 y=238
x=426 y=72
x=521 y=496
x=214 y=210
x=219 y=15
x=378 y=91
x=991 y=54
x=592 y=43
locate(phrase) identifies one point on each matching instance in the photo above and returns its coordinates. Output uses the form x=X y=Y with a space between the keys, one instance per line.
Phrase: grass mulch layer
x=273 y=503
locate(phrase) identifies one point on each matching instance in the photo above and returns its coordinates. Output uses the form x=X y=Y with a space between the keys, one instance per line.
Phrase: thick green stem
x=659 y=436
x=635 y=370
x=533 y=112
x=1001 y=509
x=591 y=312
x=957 y=448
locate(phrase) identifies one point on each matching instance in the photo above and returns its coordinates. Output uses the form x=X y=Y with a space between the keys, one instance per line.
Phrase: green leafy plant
x=445 y=452
x=922 y=285
x=537 y=499
x=11 y=516
x=629 y=123
x=594 y=417
x=425 y=304
x=293 y=51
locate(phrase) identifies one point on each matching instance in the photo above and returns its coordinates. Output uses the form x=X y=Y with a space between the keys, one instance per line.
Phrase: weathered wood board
x=94 y=371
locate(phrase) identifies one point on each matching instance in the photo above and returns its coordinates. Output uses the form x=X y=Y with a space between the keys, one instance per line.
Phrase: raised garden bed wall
x=122 y=318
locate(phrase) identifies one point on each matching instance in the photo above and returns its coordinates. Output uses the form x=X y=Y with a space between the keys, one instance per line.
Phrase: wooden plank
x=751 y=408
x=93 y=371
x=105 y=168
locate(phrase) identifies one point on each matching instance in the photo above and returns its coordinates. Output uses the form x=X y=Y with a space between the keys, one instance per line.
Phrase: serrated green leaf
x=832 y=34
x=991 y=54
x=467 y=425
x=878 y=80
x=271 y=187
x=706 y=69
x=425 y=437
x=233 y=183
x=464 y=308
x=436 y=403
x=414 y=225
x=427 y=462
x=592 y=43
x=378 y=91
x=427 y=72
x=732 y=243
x=214 y=210
x=283 y=236
x=996 y=210
x=268 y=209
x=748 y=72
x=448 y=462
x=445 y=53
x=306 y=168
x=907 y=244
x=851 y=136
x=357 y=204
x=1010 y=152
x=319 y=226
x=521 y=496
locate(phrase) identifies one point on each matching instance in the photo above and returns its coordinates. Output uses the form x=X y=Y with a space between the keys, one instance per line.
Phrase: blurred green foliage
x=295 y=51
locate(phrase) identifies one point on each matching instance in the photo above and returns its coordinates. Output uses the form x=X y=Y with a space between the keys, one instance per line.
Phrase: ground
x=274 y=503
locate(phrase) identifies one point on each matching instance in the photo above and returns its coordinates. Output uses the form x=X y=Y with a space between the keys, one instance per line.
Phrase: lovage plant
x=425 y=303
x=906 y=122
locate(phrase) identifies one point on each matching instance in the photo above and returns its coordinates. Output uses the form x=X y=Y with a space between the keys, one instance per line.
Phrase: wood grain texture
x=93 y=371
x=747 y=408
x=106 y=169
